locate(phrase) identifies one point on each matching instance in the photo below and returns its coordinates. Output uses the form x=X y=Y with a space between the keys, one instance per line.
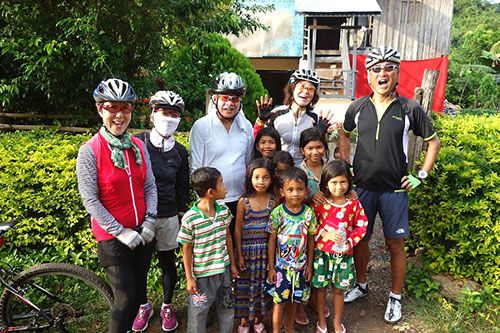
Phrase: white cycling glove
x=148 y=231
x=130 y=238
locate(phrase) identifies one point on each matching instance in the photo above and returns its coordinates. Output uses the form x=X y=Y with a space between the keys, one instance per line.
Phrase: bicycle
x=52 y=297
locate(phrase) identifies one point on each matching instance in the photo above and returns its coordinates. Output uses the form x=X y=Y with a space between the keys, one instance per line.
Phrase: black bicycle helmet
x=305 y=75
x=381 y=54
x=228 y=83
x=167 y=99
x=114 y=90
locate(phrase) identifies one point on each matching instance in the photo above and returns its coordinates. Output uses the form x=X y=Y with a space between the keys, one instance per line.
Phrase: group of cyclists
x=136 y=187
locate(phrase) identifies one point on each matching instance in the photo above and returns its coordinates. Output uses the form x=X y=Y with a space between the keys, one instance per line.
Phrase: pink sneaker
x=168 y=319
x=141 y=320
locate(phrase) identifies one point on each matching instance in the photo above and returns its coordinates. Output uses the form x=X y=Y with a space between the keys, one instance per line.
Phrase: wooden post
x=424 y=96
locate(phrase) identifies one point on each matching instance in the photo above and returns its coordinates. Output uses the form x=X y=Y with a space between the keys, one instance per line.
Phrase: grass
x=477 y=311
x=440 y=315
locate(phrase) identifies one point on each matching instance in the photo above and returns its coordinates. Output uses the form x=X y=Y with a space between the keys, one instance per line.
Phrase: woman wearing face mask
x=169 y=161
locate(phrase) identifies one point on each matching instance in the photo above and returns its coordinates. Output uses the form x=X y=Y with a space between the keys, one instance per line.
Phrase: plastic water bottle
x=340 y=247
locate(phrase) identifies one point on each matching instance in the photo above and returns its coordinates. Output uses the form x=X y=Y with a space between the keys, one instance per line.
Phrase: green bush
x=191 y=70
x=478 y=112
x=40 y=191
x=456 y=213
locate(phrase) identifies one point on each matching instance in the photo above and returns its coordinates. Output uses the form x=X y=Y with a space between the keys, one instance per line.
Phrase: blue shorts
x=290 y=284
x=392 y=208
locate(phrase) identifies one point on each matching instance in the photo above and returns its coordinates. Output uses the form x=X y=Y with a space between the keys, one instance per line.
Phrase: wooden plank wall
x=418 y=29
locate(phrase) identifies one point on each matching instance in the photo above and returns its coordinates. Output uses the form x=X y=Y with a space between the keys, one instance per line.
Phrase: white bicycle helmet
x=167 y=99
x=305 y=75
x=228 y=83
x=381 y=54
x=114 y=90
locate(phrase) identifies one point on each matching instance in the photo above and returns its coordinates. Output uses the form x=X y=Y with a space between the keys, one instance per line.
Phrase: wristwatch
x=422 y=174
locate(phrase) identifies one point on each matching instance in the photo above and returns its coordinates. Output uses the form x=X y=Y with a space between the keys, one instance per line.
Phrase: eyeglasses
x=386 y=68
x=128 y=108
x=227 y=98
x=309 y=89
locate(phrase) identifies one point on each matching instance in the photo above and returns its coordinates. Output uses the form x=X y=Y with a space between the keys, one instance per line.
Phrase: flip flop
x=321 y=330
x=259 y=328
x=302 y=319
x=327 y=312
x=343 y=329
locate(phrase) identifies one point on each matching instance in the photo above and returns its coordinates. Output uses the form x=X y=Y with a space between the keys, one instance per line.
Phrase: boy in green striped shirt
x=207 y=251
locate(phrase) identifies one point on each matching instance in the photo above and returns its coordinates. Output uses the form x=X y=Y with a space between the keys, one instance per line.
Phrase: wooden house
x=326 y=35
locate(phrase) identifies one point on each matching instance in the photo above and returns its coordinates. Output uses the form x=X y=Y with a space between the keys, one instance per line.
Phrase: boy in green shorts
x=207 y=252
x=291 y=245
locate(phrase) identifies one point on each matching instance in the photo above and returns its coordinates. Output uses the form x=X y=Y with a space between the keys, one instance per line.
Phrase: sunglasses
x=386 y=68
x=309 y=89
x=226 y=98
x=115 y=109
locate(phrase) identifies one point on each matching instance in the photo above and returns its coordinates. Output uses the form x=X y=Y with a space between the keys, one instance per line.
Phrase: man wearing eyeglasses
x=223 y=139
x=383 y=120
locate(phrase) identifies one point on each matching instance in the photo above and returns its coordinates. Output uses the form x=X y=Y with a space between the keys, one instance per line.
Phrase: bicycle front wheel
x=71 y=299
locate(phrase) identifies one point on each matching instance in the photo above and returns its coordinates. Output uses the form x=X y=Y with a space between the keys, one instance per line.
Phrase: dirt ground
x=363 y=315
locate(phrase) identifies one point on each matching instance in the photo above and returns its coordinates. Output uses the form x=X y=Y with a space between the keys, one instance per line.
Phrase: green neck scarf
x=119 y=145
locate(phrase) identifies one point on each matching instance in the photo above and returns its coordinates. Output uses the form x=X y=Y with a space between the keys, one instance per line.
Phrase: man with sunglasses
x=223 y=138
x=383 y=120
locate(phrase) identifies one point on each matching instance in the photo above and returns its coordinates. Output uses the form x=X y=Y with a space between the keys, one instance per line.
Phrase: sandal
x=243 y=329
x=259 y=328
x=321 y=330
x=302 y=319
x=327 y=312
x=343 y=329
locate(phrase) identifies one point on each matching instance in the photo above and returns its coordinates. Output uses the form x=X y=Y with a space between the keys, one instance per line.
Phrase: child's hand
x=318 y=198
x=191 y=286
x=241 y=264
x=347 y=248
x=352 y=195
x=337 y=236
x=234 y=271
x=271 y=275
x=308 y=273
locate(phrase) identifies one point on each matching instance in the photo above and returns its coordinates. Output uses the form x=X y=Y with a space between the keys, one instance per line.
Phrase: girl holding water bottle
x=341 y=226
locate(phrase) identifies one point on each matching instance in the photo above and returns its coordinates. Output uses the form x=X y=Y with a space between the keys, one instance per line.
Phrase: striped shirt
x=208 y=236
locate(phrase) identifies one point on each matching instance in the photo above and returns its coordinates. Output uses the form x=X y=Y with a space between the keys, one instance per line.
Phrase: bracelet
x=151 y=216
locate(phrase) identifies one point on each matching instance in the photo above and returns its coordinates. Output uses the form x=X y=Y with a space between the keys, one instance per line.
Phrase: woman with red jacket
x=118 y=190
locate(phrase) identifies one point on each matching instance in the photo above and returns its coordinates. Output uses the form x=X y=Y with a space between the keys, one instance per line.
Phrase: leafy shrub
x=191 y=70
x=419 y=283
x=478 y=112
x=456 y=213
x=40 y=191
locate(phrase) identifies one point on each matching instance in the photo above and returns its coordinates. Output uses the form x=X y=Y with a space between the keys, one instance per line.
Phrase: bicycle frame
x=5 y=284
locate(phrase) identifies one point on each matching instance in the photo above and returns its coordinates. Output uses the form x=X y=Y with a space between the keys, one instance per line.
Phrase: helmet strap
x=220 y=114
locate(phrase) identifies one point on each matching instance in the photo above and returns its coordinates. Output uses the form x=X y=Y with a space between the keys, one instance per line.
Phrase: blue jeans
x=218 y=290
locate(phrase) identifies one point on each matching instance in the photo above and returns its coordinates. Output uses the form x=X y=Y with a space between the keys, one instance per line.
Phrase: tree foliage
x=55 y=52
x=475 y=30
x=192 y=69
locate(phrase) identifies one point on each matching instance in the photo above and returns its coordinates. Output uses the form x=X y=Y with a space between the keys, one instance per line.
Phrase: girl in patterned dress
x=251 y=241
x=333 y=260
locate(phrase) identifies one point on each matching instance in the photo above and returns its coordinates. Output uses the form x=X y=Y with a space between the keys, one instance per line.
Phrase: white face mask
x=165 y=126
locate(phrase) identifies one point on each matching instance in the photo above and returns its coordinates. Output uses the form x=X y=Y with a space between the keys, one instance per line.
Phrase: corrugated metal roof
x=337 y=7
